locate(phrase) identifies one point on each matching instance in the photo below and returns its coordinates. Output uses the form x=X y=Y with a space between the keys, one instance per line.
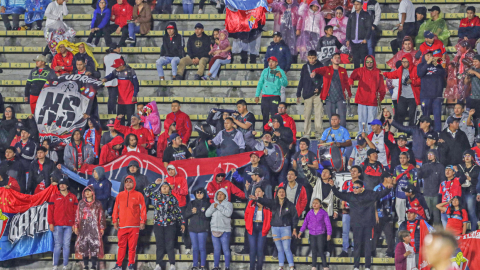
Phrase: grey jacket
x=70 y=155
x=221 y=216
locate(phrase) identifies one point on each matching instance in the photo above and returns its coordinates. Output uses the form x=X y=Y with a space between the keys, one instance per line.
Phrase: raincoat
x=438 y=27
x=152 y=121
x=55 y=29
x=13 y=6
x=371 y=84
x=462 y=62
x=329 y=7
x=312 y=29
x=398 y=56
x=339 y=27
x=73 y=48
x=90 y=222
x=35 y=10
x=397 y=74
x=286 y=22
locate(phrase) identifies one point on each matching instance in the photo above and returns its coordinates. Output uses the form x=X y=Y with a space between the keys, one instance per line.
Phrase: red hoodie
x=184 y=125
x=109 y=154
x=180 y=188
x=162 y=142
x=397 y=74
x=129 y=209
x=327 y=73
x=370 y=84
x=287 y=122
x=122 y=12
x=144 y=136
x=213 y=186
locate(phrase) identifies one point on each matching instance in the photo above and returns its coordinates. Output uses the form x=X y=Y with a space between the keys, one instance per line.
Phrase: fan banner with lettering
x=24 y=223
x=245 y=19
x=61 y=105
x=198 y=172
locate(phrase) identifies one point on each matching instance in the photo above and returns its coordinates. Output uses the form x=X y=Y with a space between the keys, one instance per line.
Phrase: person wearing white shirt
x=55 y=12
x=406 y=18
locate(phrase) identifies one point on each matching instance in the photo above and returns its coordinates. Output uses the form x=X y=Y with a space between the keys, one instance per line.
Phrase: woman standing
x=339 y=23
x=456 y=214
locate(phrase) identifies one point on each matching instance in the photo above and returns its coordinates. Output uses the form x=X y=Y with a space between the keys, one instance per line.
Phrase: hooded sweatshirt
x=432 y=79
x=213 y=186
x=100 y=17
x=102 y=186
x=122 y=12
x=202 y=49
x=371 y=84
x=162 y=142
x=198 y=222
x=269 y=84
x=183 y=125
x=167 y=211
x=286 y=134
x=108 y=154
x=129 y=210
x=306 y=85
x=180 y=186
x=152 y=121
x=229 y=142
x=140 y=179
x=172 y=46
x=221 y=215
x=144 y=136
x=412 y=70
x=223 y=44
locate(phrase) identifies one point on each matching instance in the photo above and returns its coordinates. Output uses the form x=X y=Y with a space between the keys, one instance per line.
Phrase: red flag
x=425 y=229
x=241 y=22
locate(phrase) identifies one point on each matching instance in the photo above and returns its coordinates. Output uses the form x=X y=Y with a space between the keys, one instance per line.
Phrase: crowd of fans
x=434 y=177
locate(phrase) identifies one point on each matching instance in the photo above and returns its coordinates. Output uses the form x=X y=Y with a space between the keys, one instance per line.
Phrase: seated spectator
x=469 y=28
x=229 y=141
x=453 y=142
x=100 y=23
x=305 y=162
x=37 y=78
x=433 y=173
x=14 y=8
x=182 y=121
x=312 y=29
x=62 y=63
x=420 y=18
x=77 y=153
x=456 y=214
x=412 y=225
x=216 y=117
x=50 y=153
x=121 y=14
x=470 y=189
x=110 y=134
x=85 y=54
x=133 y=170
x=7 y=181
x=198 y=48
x=144 y=136
x=102 y=186
x=220 y=55
x=327 y=46
x=169 y=127
x=372 y=169
x=450 y=188
x=339 y=23
x=280 y=50
x=436 y=25
x=111 y=150
x=93 y=135
x=131 y=145
x=35 y=12
x=243 y=119
x=142 y=22
x=220 y=182
x=39 y=172
x=175 y=150
x=199 y=147
x=404 y=253
x=26 y=149
x=395 y=149
x=172 y=50
x=416 y=201
x=244 y=175
x=288 y=122
x=384 y=215
x=151 y=118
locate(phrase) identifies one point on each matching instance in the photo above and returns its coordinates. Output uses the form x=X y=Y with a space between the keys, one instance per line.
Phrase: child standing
x=312 y=28
x=89 y=227
x=220 y=53
x=327 y=46
x=101 y=19
x=320 y=231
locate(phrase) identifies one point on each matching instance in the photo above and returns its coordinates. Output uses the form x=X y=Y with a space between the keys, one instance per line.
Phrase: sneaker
x=205 y=78
x=200 y=11
x=194 y=268
x=218 y=6
x=197 y=77
x=91 y=45
x=130 y=267
x=129 y=40
x=202 y=268
x=117 y=267
x=65 y=267
x=158 y=267
x=310 y=254
x=344 y=254
x=179 y=78
x=172 y=267
x=327 y=254
x=356 y=268
x=367 y=268
x=55 y=268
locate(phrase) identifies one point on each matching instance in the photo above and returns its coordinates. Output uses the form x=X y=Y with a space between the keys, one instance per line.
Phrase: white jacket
x=55 y=12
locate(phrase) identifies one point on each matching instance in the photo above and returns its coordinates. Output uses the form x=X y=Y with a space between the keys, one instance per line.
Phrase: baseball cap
x=411 y=210
x=375 y=122
x=277 y=34
x=410 y=188
x=477 y=139
x=273 y=58
x=432 y=135
x=371 y=151
x=173 y=136
x=386 y=174
x=254 y=153
x=19 y=125
x=111 y=122
x=199 y=25
x=435 y=8
x=451 y=119
x=425 y=118
x=118 y=63
x=360 y=140
x=402 y=137
x=256 y=171
x=170 y=27
x=40 y=57
x=428 y=34
x=113 y=46
x=449 y=167
x=64 y=181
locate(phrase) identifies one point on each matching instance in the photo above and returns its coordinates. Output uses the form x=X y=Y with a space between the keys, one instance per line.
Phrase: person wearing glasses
x=219 y=182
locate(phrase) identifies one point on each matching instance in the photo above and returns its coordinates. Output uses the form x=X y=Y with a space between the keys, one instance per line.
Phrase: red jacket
x=266 y=215
x=180 y=188
x=13 y=183
x=184 y=125
x=162 y=142
x=109 y=154
x=370 y=84
x=287 y=122
x=213 y=186
x=66 y=62
x=140 y=150
x=437 y=48
x=62 y=209
x=300 y=197
x=390 y=138
x=130 y=210
x=122 y=12
x=327 y=73
x=143 y=134
x=397 y=74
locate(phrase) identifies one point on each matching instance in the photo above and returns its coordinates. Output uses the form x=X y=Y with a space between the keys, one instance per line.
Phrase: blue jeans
x=216 y=66
x=164 y=6
x=62 y=236
x=199 y=246
x=371 y=42
x=132 y=30
x=345 y=232
x=282 y=236
x=187 y=8
x=219 y=244
x=165 y=60
x=471 y=202
x=433 y=106
x=444 y=220
x=257 y=243
x=366 y=114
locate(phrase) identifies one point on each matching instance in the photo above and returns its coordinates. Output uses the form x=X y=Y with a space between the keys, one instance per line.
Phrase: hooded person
x=7 y=129
x=199 y=147
x=178 y=185
x=102 y=186
x=77 y=153
x=438 y=26
x=100 y=20
x=169 y=127
x=151 y=118
x=339 y=23
x=407 y=47
x=457 y=71
x=90 y=225
x=219 y=182
x=133 y=170
x=312 y=28
x=370 y=91
x=172 y=50
x=420 y=17
x=285 y=137
x=93 y=134
x=286 y=22
x=216 y=117
x=111 y=150
x=7 y=181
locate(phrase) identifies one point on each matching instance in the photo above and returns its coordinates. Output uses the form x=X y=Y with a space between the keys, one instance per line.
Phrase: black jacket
x=217 y=123
x=362 y=206
x=90 y=64
x=419 y=139
x=282 y=216
x=140 y=179
x=36 y=80
x=15 y=169
x=281 y=52
x=365 y=25
x=307 y=84
x=473 y=172
x=198 y=47
x=173 y=47
x=35 y=177
x=27 y=153
x=198 y=222
x=452 y=149
x=395 y=154
x=432 y=79
x=372 y=174
x=433 y=173
x=286 y=135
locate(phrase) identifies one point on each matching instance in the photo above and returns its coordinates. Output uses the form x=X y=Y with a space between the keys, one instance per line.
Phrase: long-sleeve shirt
x=55 y=12
x=318 y=223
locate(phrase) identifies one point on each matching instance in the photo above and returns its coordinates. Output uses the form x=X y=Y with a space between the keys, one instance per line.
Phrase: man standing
x=111 y=134
x=407 y=47
x=406 y=27
x=359 y=30
x=112 y=86
x=144 y=136
x=465 y=121
x=287 y=122
x=453 y=142
x=244 y=119
x=176 y=150
x=473 y=102
x=305 y=162
x=280 y=50
x=128 y=87
x=182 y=122
x=384 y=215
x=39 y=172
x=372 y=7
x=269 y=85
x=336 y=89
x=372 y=170
x=219 y=182
x=416 y=202
x=370 y=91
x=36 y=80
x=229 y=141
x=62 y=207
x=355 y=173
x=377 y=137
x=397 y=148
x=198 y=47
x=405 y=174
x=244 y=175
x=26 y=150
x=62 y=63
x=450 y=188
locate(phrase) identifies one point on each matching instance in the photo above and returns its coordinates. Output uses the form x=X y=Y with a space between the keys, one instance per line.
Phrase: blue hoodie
x=432 y=79
x=102 y=186
x=100 y=19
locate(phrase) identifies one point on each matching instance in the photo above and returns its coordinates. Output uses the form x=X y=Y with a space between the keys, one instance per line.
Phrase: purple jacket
x=317 y=224
x=400 y=260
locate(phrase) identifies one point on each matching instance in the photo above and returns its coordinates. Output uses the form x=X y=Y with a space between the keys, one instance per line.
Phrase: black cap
x=452 y=119
x=425 y=118
x=477 y=138
x=432 y=135
x=437 y=8
x=256 y=171
x=360 y=140
x=410 y=188
x=277 y=34
x=64 y=180
x=19 y=125
x=371 y=151
x=113 y=46
x=386 y=174
x=199 y=25
x=402 y=137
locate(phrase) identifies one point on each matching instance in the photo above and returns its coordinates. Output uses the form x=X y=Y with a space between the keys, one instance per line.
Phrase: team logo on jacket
x=101 y=185
x=203 y=209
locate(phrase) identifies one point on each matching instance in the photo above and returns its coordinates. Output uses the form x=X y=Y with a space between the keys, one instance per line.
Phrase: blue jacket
x=103 y=188
x=281 y=52
x=100 y=19
x=13 y=6
x=432 y=79
x=242 y=176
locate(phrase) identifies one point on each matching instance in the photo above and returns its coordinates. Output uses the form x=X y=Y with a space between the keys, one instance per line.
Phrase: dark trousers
x=112 y=100
x=108 y=30
x=185 y=235
x=340 y=108
x=318 y=244
x=433 y=106
x=408 y=30
x=165 y=240
x=362 y=236
x=37 y=23
x=474 y=104
x=359 y=52
x=269 y=107
x=46 y=51
x=94 y=262
x=97 y=34
x=406 y=106
x=385 y=224
x=257 y=244
x=128 y=110
x=164 y=6
x=15 y=19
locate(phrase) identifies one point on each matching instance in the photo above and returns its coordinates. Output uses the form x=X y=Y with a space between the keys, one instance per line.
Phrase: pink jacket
x=313 y=21
x=152 y=122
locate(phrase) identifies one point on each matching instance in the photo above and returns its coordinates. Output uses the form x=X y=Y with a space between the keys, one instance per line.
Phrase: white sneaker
x=200 y=11
x=55 y=268
x=91 y=45
x=172 y=267
x=158 y=267
x=187 y=251
x=310 y=254
x=356 y=269
x=218 y=6
x=327 y=254
x=367 y=268
x=65 y=268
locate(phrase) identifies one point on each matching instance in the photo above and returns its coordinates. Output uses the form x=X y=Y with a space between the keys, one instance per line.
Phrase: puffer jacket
x=371 y=84
x=129 y=210
x=198 y=222
x=108 y=154
x=152 y=121
x=250 y=212
x=221 y=215
x=313 y=21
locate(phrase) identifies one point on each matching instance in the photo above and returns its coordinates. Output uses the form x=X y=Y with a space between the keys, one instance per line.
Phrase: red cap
x=273 y=58
x=411 y=210
x=170 y=27
x=118 y=63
